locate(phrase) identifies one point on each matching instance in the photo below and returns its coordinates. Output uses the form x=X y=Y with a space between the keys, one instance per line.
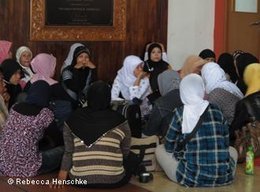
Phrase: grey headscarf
x=168 y=81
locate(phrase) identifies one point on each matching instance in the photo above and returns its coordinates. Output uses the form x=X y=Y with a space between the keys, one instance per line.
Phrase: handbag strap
x=181 y=145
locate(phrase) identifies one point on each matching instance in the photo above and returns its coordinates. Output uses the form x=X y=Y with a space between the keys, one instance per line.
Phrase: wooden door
x=243 y=29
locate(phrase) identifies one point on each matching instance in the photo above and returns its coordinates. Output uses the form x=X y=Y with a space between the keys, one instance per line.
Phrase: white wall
x=190 y=29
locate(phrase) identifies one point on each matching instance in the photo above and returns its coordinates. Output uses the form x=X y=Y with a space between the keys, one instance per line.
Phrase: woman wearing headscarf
x=220 y=91
x=242 y=61
x=5 y=50
x=192 y=64
x=163 y=107
x=69 y=58
x=23 y=57
x=226 y=62
x=97 y=141
x=12 y=76
x=24 y=128
x=44 y=64
x=248 y=108
x=132 y=83
x=164 y=54
x=77 y=77
x=154 y=66
x=206 y=160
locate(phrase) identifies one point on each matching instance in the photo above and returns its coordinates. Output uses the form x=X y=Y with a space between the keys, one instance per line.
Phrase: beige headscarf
x=252 y=78
x=192 y=64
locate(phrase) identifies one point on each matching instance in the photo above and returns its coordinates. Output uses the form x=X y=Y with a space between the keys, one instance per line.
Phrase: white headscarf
x=214 y=77
x=69 y=58
x=192 y=91
x=27 y=70
x=126 y=73
x=19 y=53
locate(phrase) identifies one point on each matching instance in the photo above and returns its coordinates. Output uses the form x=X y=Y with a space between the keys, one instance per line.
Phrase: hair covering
x=19 y=53
x=126 y=73
x=10 y=67
x=26 y=70
x=192 y=64
x=242 y=61
x=69 y=58
x=44 y=65
x=39 y=94
x=214 y=77
x=237 y=53
x=77 y=52
x=5 y=47
x=226 y=62
x=154 y=67
x=168 y=81
x=252 y=78
x=99 y=96
x=192 y=92
x=207 y=53
x=91 y=122
x=151 y=47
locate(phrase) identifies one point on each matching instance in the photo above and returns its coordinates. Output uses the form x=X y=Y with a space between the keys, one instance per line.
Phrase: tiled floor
x=160 y=183
x=242 y=183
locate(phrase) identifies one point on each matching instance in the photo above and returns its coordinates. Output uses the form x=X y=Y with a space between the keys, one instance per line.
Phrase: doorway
x=243 y=26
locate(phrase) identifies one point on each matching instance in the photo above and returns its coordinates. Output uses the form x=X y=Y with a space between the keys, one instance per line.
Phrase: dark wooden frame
x=40 y=32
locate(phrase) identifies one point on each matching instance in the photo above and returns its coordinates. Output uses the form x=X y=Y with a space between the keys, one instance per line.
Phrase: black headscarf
x=77 y=52
x=154 y=68
x=242 y=61
x=226 y=62
x=10 y=67
x=91 y=122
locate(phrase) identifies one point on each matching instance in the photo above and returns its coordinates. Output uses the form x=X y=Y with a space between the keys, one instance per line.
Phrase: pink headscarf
x=44 y=65
x=4 y=49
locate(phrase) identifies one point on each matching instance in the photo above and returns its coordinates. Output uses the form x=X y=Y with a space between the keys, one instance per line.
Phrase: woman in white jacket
x=132 y=83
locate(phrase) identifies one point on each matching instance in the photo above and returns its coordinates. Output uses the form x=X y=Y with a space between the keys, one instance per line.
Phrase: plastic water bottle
x=250 y=161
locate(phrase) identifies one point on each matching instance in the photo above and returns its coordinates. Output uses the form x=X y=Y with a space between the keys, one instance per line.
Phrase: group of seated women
x=96 y=140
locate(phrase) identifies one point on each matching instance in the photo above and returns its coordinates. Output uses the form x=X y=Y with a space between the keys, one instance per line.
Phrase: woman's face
x=138 y=69
x=83 y=59
x=15 y=78
x=25 y=59
x=156 y=54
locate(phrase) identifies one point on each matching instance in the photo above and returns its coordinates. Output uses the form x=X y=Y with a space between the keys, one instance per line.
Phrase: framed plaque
x=78 y=20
